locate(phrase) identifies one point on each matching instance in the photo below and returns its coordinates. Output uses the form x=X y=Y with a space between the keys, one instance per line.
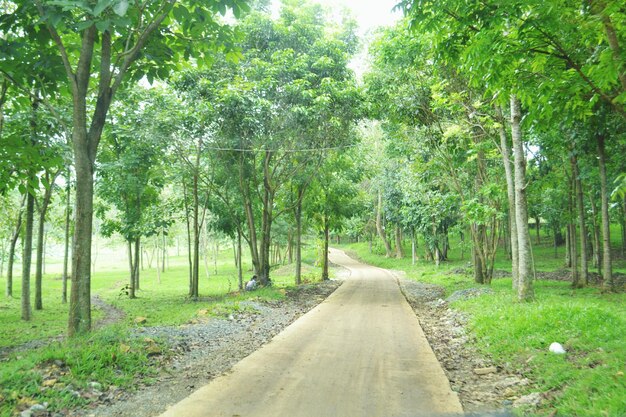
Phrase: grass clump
x=64 y=373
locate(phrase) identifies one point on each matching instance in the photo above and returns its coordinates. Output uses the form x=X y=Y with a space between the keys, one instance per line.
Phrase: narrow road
x=360 y=353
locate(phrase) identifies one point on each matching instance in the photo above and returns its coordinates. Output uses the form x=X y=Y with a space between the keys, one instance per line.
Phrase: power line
x=214 y=148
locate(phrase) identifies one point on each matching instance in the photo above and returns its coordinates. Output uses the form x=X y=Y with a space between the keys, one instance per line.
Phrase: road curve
x=359 y=353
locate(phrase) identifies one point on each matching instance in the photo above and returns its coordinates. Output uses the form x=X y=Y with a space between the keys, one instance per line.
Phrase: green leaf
x=121 y=7
x=84 y=25
x=102 y=4
x=103 y=25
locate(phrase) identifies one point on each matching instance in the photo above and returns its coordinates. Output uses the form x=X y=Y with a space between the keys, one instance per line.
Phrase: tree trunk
x=136 y=262
x=26 y=255
x=525 y=277
x=596 y=235
x=325 y=255
x=538 y=229
x=606 y=223
x=66 y=247
x=299 y=242
x=478 y=267
x=571 y=228
x=239 y=268
x=131 y=270
x=41 y=241
x=510 y=188
x=16 y=235
x=379 y=225
x=622 y=222
x=399 y=248
x=584 y=263
x=189 y=251
x=413 y=251
x=158 y=259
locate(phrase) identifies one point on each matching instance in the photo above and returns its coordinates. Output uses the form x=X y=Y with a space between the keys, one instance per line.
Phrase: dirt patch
x=205 y=349
x=483 y=387
x=111 y=314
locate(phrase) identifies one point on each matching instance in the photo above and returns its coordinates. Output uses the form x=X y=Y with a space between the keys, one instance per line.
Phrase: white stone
x=557 y=348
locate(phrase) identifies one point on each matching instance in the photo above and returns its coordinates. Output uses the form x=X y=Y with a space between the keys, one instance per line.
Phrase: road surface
x=359 y=353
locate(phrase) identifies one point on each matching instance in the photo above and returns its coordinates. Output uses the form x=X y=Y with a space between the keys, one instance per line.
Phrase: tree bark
x=41 y=242
x=27 y=254
x=325 y=255
x=239 y=268
x=399 y=248
x=66 y=247
x=510 y=191
x=584 y=262
x=16 y=235
x=131 y=270
x=379 y=225
x=571 y=227
x=596 y=235
x=299 y=242
x=525 y=277
x=606 y=223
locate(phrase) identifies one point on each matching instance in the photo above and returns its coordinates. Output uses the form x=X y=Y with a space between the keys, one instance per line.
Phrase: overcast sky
x=369 y=13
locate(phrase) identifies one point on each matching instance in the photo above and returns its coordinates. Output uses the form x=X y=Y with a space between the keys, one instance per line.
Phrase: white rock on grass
x=557 y=348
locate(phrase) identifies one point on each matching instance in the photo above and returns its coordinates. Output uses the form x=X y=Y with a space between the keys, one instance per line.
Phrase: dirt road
x=359 y=353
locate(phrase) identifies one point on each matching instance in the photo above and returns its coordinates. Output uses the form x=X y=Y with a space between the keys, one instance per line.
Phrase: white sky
x=368 y=13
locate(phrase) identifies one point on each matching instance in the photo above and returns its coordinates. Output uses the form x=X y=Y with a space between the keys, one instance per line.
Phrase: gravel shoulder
x=205 y=349
x=484 y=388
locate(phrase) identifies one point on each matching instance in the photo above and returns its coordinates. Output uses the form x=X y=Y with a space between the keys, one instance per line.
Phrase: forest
x=155 y=155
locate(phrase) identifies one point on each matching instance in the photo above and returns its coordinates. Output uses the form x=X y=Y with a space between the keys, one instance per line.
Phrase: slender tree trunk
x=568 y=250
x=413 y=251
x=399 y=248
x=478 y=266
x=164 y=254
x=538 y=229
x=131 y=270
x=571 y=227
x=196 y=239
x=622 y=222
x=510 y=188
x=136 y=263
x=239 y=268
x=16 y=235
x=26 y=255
x=525 y=277
x=325 y=256
x=299 y=242
x=379 y=225
x=66 y=247
x=596 y=235
x=158 y=259
x=606 y=223
x=189 y=251
x=584 y=263
x=41 y=242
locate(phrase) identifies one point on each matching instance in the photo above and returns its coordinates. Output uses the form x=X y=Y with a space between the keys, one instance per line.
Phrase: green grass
x=589 y=380
x=110 y=356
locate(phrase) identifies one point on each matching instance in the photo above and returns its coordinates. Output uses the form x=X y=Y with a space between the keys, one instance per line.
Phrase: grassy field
x=110 y=356
x=589 y=380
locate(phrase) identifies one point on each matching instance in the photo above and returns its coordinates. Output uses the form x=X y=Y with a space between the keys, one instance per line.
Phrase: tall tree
x=99 y=42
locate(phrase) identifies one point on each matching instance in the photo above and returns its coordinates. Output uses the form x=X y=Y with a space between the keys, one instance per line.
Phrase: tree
x=105 y=39
x=131 y=171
